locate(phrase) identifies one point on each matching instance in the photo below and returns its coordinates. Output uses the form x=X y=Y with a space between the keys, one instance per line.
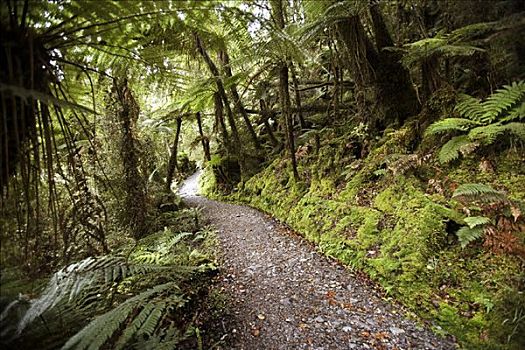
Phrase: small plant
x=492 y=216
x=482 y=122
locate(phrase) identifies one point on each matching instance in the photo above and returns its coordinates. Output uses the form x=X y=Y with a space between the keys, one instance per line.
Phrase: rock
x=347 y=329
x=396 y=331
x=286 y=301
x=319 y=319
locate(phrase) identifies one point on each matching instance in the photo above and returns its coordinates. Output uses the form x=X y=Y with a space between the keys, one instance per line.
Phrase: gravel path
x=285 y=295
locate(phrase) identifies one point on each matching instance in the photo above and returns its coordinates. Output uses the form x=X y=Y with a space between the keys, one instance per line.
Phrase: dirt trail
x=285 y=295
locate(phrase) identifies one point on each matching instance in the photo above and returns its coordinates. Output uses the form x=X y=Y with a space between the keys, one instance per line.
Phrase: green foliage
x=468 y=234
x=103 y=327
x=474 y=221
x=456 y=145
x=478 y=193
x=134 y=297
x=441 y=45
x=484 y=122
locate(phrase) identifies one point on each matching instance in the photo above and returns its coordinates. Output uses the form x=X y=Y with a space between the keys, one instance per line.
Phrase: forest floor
x=280 y=293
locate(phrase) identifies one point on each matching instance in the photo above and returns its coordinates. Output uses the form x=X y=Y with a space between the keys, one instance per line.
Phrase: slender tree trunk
x=135 y=185
x=284 y=91
x=302 y=123
x=204 y=140
x=172 y=164
x=219 y=115
x=431 y=80
x=265 y=115
x=237 y=147
x=225 y=59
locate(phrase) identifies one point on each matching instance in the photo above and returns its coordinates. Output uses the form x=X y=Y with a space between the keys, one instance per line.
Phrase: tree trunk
x=265 y=115
x=393 y=80
x=284 y=92
x=204 y=140
x=219 y=115
x=225 y=59
x=237 y=146
x=302 y=123
x=431 y=80
x=172 y=164
x=361 y=58
x=135 y=185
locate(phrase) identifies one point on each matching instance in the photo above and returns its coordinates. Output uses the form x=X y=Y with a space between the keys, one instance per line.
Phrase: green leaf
x=479 y=192
x=466 y=234
x=451 y=124
x=474 y=221
x=453 y=147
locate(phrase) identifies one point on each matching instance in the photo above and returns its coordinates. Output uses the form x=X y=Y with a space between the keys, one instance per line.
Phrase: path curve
x=285 y=295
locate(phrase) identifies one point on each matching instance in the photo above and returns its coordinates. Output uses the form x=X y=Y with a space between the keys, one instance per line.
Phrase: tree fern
x=483 y=122
x=78 y=282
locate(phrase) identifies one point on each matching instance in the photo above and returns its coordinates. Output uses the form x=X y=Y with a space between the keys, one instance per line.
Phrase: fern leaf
x=470 y=107
x=516 y=129
x=453 y=147
x=486 y=134
x=450 y=124
x=489 y=133
x=102 y=328
x=516 y=113
x=475 y=221
x=149 y=325
x=134 y=326
x=501 y=100
x=467 y=234
x=479 y=192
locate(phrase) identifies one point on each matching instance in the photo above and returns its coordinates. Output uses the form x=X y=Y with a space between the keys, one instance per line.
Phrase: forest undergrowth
x=143 y=295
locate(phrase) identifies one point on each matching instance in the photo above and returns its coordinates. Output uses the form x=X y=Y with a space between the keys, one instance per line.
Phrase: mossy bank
x=390 y=214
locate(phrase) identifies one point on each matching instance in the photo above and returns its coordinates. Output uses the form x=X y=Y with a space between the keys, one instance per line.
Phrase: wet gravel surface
x=284 y=295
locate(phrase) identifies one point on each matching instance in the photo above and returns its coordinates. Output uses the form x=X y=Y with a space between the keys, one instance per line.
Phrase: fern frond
x=134 y=326
x=102 y=328
x=478 y=192
x=516 y=113
x=516 y=129
x=489 y=133
x=149 y=325
x=450 y=124
x=455 y=146
x=78 y=283
x=470 y=107
x=501 y=100
x=475 y=221
x=467 y=234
